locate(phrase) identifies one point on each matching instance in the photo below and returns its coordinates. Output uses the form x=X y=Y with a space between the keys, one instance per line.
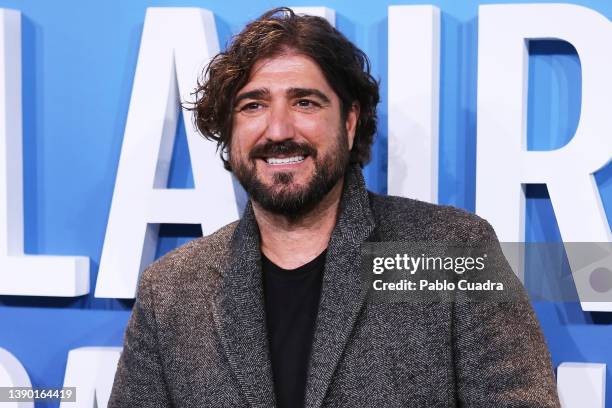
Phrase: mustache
x=287 y=147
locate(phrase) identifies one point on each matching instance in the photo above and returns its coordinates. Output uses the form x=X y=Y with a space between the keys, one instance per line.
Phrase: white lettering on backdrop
x=414 y=63
x=504 y=165
x=20 y=274
x=141 y=201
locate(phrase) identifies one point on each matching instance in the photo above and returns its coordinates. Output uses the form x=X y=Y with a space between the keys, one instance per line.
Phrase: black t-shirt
x=292 y=302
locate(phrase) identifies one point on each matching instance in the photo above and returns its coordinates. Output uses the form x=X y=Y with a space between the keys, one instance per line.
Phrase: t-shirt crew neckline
x=297 y=273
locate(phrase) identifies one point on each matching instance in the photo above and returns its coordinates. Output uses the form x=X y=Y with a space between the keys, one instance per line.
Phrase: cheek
x=245 y=134
x=316 y=128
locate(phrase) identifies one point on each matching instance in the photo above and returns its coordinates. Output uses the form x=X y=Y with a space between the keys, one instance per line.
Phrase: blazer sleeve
x=501 y=357
x=139 y=380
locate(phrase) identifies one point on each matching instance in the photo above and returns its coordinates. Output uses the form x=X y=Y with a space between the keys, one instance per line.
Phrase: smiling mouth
x=285 y=160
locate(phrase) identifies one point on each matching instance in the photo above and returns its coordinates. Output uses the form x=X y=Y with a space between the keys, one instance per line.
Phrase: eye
x=307 y=104
x=251 y=107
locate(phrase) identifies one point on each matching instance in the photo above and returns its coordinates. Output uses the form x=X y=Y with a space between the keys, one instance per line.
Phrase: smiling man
x=271 y=310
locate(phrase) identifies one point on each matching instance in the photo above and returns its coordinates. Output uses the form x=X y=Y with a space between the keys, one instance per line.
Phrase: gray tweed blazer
x=197 y=334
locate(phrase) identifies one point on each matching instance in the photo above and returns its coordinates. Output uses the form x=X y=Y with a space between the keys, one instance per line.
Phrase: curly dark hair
x=345 y=67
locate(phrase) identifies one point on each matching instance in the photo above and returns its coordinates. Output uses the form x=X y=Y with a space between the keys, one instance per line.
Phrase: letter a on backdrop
x=176 y=44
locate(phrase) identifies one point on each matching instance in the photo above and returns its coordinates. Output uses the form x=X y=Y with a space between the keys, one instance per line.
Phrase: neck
x=293 y=242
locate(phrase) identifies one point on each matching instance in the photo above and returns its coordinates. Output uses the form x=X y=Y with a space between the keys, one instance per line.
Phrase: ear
x=352 y=118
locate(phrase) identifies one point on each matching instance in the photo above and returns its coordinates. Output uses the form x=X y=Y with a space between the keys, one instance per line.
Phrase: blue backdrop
x=79 y=60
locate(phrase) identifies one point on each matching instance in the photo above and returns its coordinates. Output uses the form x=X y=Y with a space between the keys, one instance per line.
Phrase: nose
x=280 y=125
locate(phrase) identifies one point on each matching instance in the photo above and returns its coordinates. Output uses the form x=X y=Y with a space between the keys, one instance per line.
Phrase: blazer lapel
x=342 y=295
x=239 y=314
x=238 y=309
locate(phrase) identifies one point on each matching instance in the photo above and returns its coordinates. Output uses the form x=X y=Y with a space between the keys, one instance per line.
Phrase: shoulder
x=201 y=259
x=400 y=218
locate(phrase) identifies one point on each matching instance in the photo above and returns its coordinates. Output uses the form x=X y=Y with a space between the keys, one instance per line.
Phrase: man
x=270 y=310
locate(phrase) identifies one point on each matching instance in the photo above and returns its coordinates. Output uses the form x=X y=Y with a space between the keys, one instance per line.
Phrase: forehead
x=287 y=70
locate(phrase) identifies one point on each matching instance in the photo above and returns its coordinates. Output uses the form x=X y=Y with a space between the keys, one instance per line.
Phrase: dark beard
x=281 y=198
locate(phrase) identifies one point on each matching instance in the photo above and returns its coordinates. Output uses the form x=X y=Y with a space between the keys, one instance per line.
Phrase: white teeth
x=286 y=160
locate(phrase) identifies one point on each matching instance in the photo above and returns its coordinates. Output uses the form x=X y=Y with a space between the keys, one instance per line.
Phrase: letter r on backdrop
x=504 y=165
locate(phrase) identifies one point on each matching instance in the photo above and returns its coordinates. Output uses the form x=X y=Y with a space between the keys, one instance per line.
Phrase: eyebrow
x=264 y=94
x=260 y=93
x=303 y=92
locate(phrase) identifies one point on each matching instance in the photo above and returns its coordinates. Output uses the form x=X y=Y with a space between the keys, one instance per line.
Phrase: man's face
x=290 y=145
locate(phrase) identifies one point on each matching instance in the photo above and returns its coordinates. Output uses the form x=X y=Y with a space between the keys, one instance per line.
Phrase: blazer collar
x=342 y=294
x=239 y=307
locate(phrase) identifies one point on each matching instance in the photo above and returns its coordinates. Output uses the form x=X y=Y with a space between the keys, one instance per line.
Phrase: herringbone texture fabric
x=197 y=335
